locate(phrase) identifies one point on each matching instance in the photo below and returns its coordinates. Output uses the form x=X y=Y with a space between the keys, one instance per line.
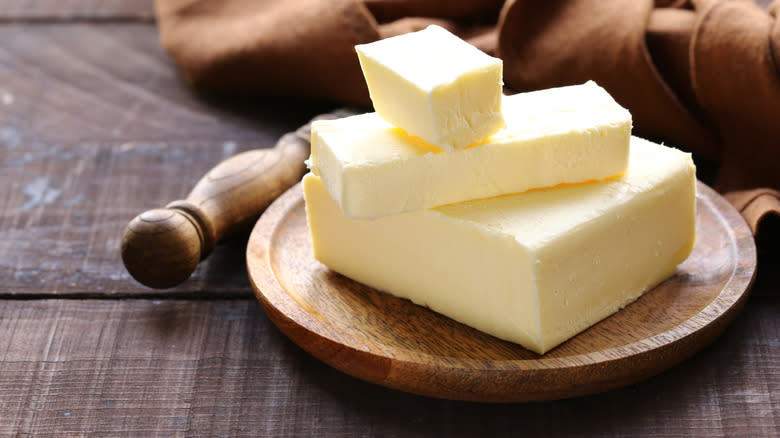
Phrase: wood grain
x=393 y=342
x=215 y=368
x=88 y=143
x=77 y=199
x=61 y=85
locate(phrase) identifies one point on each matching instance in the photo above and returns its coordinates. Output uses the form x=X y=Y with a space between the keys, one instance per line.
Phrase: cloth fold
x=701 y=75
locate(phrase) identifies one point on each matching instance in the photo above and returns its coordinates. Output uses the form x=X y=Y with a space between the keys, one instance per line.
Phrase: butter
x=435 y=86
x=534 y=268
x=562 y=135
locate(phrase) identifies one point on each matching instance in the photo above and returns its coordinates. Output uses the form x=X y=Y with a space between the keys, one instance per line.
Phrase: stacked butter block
x=435 y=86
x=530 y=217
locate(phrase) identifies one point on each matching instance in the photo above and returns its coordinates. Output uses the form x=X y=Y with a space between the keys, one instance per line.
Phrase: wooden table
x=97 y=126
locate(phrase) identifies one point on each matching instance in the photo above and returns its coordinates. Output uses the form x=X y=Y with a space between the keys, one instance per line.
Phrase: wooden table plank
x=76 y=200
x=76 y=10
x=208 y=368
x=77 y=82
x=88 y=143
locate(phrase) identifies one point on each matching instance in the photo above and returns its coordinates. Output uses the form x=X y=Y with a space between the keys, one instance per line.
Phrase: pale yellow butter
x=435 y=86
x=561 y=135
x=534 y=268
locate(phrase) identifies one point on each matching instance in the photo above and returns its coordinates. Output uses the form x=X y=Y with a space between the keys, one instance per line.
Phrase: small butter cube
x=434 y=86
x=556 y=136
x=533 y=268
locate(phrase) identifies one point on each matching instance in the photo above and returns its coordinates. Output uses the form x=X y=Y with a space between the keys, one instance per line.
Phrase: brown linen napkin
x=701 y=75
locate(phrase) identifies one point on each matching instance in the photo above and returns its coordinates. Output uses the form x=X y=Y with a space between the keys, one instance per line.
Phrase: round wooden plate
x=392 y=342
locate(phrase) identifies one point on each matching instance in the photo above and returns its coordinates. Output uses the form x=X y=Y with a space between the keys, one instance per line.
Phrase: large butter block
x=435 y=86
x=534 y=268
x=561 y=135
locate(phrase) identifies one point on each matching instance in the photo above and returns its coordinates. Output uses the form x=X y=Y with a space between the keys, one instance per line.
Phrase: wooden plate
x=392 y=342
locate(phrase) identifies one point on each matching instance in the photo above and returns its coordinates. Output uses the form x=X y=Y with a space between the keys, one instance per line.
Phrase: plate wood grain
x=393 y=342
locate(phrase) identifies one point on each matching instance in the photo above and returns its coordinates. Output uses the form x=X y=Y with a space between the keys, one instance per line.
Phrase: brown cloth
x=701 y=75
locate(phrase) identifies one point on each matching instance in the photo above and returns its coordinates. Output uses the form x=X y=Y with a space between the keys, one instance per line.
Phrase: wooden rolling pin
x=162 y=247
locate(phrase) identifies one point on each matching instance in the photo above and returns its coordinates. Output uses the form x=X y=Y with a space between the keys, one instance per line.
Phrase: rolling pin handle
x=162 y=247
x=203 y=225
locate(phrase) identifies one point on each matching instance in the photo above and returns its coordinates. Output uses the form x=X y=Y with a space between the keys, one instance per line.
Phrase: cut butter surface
x=534 y=268
x=435 y=86
x=561 y=135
